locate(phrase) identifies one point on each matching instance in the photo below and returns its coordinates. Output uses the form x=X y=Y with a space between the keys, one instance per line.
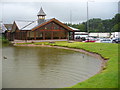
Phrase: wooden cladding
x=51 y=26
x=39 y=35
x=53 y=35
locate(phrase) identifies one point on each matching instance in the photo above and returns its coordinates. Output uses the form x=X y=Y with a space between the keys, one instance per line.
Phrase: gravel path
x=29 y=41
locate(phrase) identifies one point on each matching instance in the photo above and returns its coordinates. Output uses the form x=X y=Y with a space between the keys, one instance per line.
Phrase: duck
x=5 y=57
x=83 y=56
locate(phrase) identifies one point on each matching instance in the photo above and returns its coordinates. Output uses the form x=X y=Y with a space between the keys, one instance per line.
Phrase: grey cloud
x=61 y=10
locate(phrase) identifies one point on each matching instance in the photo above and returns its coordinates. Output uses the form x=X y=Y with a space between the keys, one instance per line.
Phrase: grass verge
x=108 y=78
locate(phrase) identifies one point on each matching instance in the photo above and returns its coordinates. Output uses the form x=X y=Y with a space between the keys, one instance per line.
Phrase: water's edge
x=93 y=54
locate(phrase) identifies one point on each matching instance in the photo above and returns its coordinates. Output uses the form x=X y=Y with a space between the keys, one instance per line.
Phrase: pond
x=46 y=67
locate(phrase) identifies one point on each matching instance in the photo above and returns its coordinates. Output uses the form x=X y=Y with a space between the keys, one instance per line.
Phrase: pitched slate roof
x=8 y=26
x=28 y=25
x=74 y=28
x=33 y=25
x=5 y=27
x=41 y=13
x=22 y=24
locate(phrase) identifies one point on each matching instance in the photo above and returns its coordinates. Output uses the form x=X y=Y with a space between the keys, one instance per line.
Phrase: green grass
x=108 y=78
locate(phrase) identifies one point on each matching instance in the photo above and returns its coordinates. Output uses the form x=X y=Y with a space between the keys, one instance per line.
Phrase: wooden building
x=6 y=30
x=41 y=29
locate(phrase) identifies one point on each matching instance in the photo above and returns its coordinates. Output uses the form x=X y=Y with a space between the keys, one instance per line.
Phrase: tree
x=82 y=27
x=116 y=27
x=99 y=25
x=116 y=19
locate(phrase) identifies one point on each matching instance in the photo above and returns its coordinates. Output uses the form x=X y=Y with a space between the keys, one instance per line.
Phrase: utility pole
x=88 y=16
x=70 y=35
x=87 y=19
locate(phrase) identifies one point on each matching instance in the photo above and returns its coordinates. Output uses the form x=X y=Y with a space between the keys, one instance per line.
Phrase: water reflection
x=44 y=67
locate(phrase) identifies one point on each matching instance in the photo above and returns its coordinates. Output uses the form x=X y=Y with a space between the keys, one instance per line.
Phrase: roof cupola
x=41 y=16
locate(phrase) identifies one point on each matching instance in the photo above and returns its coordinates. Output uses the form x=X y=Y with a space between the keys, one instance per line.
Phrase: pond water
x=45 y=67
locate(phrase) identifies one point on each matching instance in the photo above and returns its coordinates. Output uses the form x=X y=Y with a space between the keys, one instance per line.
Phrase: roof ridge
x=23 y=20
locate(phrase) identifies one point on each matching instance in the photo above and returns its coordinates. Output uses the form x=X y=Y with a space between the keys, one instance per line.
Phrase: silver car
x=104 y=40
x=107 y=40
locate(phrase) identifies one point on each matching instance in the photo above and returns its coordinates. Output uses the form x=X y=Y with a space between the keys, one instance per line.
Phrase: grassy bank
x=3 y=40
x=108 y=78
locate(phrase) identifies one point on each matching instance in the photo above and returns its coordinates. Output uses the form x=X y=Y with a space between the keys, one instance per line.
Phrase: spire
x=41 y=13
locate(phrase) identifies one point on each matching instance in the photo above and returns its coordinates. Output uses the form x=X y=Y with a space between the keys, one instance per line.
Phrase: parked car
x=104 y=40
x=117 y=40
x=90 y=40
x=98 y=40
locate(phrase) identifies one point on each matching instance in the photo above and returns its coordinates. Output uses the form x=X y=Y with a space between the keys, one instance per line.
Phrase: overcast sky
x=27 y=9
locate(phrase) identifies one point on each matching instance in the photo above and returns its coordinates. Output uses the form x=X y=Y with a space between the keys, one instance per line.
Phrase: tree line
x=99 y=25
